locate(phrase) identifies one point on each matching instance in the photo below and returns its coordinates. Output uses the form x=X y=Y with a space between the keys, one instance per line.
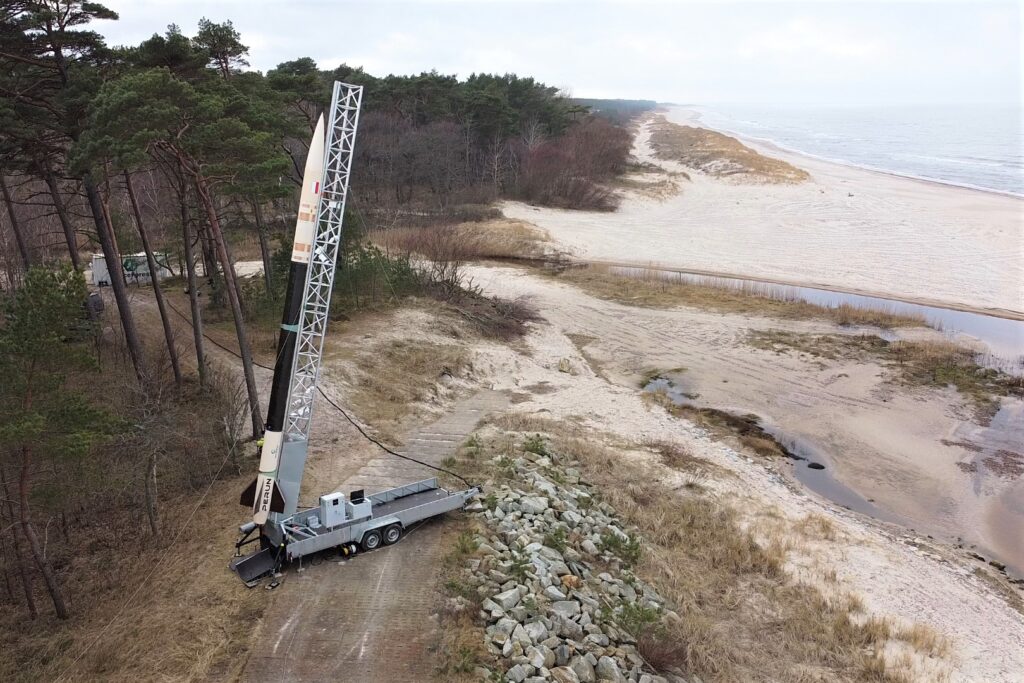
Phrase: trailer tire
x=371 y=540
x=392 y=534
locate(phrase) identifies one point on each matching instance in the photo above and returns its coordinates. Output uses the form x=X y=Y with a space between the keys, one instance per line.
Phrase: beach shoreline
x=773 y=147
x=845 y=228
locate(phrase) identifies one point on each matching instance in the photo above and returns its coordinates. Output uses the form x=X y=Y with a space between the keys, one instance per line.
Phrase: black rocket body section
x=286 y=346
x=264 y=494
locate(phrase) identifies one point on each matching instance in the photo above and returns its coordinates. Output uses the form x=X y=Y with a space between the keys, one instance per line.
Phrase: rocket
x=264 y=493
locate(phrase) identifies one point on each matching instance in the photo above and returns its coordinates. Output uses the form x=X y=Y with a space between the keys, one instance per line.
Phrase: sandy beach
x=877 y=438
x=845 y=227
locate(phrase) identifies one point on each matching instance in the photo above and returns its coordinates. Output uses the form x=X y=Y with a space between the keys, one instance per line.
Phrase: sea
x=979 y=146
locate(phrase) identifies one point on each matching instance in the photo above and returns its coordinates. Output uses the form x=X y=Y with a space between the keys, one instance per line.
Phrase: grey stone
x=508 y=599
x=517 y=674
x=566 y=608
x=520 y=635
x=608 y=670
x=567 y=628
x=560 y=568
x=589 y=547
x=564 y=674
x=583 y=669
x=562 y=654
x=533 y=505
x=536 y=630
x=553 y=593
x=573 y=519
x=535 y=657
x=504 y=625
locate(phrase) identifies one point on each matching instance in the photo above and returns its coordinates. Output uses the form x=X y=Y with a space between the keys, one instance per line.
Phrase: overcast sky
x=755 y=52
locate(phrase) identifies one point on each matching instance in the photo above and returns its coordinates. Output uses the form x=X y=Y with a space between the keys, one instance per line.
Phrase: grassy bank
x=651 y=289
x=935 y=364
x=741 y=615
x=719 y=155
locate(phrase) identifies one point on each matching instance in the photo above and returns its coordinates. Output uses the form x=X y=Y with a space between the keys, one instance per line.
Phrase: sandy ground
x=909 y=579
x=846 y=227
x=905 y=577
x=901 y=449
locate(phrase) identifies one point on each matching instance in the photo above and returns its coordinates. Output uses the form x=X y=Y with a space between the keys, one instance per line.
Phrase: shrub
x=536 y=444
x=626 y=548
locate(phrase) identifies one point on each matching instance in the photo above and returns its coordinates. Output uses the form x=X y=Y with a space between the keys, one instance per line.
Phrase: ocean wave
x=982 y=156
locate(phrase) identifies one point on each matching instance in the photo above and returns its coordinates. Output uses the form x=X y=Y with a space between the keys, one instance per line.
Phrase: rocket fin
x=249 y=494
x=276 y=499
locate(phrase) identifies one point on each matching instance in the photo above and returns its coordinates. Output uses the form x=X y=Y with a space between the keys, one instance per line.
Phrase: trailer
x=134 y=268
x=346 y=523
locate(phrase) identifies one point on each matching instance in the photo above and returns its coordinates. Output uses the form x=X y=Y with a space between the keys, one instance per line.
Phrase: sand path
x=846 y=227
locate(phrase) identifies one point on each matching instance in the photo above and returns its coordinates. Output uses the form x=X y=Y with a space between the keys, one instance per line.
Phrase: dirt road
x=368 y=618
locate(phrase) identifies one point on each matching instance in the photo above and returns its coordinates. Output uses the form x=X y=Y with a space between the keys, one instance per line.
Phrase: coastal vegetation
x=719 y=155
x=657 y=289
x=934 y=364
x=174 y=148
x=723 y=572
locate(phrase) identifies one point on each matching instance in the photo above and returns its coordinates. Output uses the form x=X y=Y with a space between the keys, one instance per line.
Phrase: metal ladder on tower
x=343 y=121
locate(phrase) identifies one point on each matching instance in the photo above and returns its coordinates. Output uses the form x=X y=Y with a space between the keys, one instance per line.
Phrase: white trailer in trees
x=134 y=266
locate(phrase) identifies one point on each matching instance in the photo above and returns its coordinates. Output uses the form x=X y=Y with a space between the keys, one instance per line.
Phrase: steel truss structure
x=316 y=300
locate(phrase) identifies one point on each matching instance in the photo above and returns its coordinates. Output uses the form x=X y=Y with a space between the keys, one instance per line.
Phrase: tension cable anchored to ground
x=333 y=403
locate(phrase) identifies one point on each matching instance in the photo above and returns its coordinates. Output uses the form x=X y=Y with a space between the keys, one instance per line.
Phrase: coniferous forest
x=176 y=151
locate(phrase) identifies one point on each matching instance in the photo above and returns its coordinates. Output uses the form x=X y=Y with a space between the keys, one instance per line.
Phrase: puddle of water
x=1003 y=337
x=811 y=467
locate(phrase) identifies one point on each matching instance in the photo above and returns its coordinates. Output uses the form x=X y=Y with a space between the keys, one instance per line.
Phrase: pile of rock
x=552 y=615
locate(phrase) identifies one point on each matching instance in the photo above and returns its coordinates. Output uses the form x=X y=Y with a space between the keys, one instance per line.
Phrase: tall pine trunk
x=26 y=578
x=264 y=247
x=19 y=236
x=231 y=286
x=193 y=287
x=113 y=260
x=62 y=214
x=213 y=278
x=8 y=587
x=158 y=293
x=49 y=578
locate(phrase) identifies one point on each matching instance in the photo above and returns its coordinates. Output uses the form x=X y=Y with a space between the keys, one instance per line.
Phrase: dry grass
x=739 y=615
x=676 y=456
x=459 y=647
x=656 y=289
x=937 y=364
x=924 y=639
x=745 y=428
x=659 y=187
x=719 y=155
x=190 y=620
x=394 y=376
x=827 y=346
x=499 y=238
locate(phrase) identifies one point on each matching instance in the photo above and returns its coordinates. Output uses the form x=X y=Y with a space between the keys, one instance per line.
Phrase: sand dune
x=845 y=227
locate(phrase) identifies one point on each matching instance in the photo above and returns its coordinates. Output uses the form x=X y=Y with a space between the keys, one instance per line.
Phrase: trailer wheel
x=392 y=534
x=371 y=540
